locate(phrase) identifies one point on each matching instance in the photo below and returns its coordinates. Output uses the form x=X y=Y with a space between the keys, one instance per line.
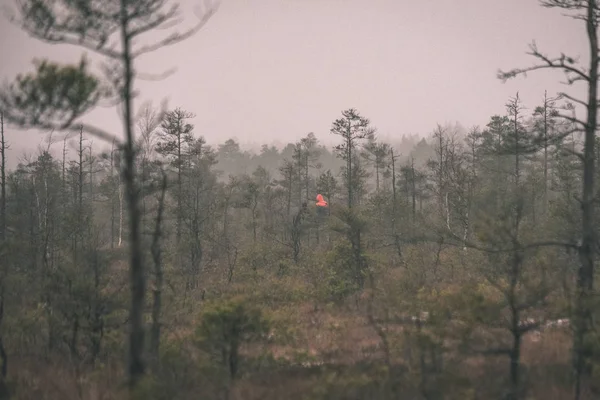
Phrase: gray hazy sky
x=274 y=70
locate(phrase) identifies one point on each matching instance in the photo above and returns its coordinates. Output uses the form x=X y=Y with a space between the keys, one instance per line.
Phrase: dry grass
x=346 y=347
x=334 y=338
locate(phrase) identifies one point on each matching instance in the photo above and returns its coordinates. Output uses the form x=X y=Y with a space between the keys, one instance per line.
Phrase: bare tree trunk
x=112 y=199
x=349 y=168
x=143 y=192
x=515 y=351
x=471 y=184
x=588 y=248
x=466 y=229
x=514 y=109
x=179 y=189
x=79 y=225
x=254 y=223
x=289 y=195
x=447 y=207
x=38 y=206
x=136 y=274
x=97 y=328
x=3 y=356
x=91 y=178
x=64 y=190
x=414 y=189
x=195 y=236
x=306 y=173
x=3 y=177
x=439 y=135
x=158 y=277
x=80 y=175
x=395 y=206
x=46 y=222
x=394 y=198
x=120 y=242
x=64 y=163
x=545 y=150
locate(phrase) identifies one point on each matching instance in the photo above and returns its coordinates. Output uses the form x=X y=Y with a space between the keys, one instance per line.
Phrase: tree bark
x=158 y=277
x=588 y=248
x=3 y=177
x=136 y=367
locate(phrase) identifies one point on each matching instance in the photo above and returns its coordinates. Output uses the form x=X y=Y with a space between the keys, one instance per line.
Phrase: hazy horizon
x=273 y=71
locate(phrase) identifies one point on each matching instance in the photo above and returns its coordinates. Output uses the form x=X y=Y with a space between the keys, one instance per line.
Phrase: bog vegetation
x=456 y=266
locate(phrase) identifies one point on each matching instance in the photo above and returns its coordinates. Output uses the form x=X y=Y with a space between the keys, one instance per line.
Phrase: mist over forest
x=154 y=263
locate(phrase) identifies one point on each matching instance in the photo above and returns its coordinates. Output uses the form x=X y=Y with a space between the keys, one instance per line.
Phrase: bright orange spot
x=321 y=201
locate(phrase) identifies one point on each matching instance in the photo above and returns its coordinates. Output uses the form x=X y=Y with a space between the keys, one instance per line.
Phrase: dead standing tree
x=587 y=11
x=57 y=96
x=3 y=246
x=3 y=148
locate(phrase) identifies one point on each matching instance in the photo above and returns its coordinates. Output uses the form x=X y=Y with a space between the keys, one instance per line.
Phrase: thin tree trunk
x=179 y=187
x=91 y=178
x=3 y=272
x=3 y=177
x=545 y=150
x=414 y=190
x=515 y=351
x=440 y=172
x=158 y=277
x=137 y=277
x=395 y=206
x=80 y=175
x=394 y=199
x=3 y=355
x=306 y=175
x=289 y=194
x=79 y=224
x=254 y=222
x=349 y=168
x=97 y=315
x=121 y=217
x=517 y=142
x=447 y=207
x=466 y=229
x=112 y=199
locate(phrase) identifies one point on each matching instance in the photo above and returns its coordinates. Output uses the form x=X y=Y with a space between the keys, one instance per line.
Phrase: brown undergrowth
x=315 y=349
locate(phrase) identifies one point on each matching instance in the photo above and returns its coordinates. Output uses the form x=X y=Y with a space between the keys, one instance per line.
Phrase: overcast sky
x=267 y=70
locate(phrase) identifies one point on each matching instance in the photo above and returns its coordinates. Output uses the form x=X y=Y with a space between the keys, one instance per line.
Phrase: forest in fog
x=152 y=264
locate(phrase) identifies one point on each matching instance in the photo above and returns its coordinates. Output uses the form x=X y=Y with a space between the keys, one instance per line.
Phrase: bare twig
x=563 y=62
